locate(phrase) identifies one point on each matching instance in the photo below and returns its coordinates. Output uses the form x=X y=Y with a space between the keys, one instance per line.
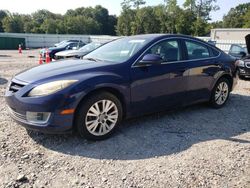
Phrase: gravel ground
x=192 y=147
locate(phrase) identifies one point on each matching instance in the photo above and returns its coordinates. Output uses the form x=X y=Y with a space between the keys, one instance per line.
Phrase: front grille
x=14 y=87
x=17 y=116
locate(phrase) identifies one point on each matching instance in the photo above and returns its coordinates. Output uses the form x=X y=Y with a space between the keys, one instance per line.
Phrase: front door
x=159 y=85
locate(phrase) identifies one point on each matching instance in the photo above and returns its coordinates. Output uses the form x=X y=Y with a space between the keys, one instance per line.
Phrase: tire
x=219 y=98
x=93 y=122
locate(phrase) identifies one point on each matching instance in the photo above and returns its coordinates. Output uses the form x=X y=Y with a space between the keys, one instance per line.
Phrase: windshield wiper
x=92 y=59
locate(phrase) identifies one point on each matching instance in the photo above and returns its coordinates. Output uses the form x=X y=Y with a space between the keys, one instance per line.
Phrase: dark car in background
x=80 y=52
x=65 y=41
x=242 y=53
x=125 y=78
x=64 y=46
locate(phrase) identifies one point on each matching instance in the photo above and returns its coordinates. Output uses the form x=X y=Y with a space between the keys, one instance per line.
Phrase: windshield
x=60 y=43
x=119 y=50
x=63 y=45
x=90 y=47
x=245 y=49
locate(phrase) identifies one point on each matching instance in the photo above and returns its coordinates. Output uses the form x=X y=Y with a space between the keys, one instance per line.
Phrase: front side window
x=196 y=50
x=168 y=50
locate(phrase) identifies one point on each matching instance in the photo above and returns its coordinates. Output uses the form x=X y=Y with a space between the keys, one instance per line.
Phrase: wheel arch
x=108 y=89
x=228 y=77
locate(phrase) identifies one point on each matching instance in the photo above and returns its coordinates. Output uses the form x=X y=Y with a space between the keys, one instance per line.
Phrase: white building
x=229 y=34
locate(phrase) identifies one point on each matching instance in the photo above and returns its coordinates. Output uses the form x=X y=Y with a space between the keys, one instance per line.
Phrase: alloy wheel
x=221 y=93
x=101 y=117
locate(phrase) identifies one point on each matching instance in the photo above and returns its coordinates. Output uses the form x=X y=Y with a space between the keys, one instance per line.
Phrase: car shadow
x=3 y=81
x=246 y=78
x=160 y=134
x=4 y=55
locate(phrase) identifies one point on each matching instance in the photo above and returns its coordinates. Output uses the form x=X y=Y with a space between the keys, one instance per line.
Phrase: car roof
x=155 y=36
x=162 y=36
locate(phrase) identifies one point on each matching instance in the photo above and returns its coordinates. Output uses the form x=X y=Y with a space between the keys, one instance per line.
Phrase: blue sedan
x=125 y=78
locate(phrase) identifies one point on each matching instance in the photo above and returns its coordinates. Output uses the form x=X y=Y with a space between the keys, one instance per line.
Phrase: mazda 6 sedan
x=128 y=77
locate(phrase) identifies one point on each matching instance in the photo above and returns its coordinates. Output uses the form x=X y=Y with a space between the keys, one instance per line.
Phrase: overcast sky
x=61 y=6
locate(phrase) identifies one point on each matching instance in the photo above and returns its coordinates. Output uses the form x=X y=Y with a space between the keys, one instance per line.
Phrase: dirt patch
x=192 y=147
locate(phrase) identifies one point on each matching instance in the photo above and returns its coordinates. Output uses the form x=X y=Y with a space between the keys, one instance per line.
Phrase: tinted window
x=196 y=50
x=89 y=47
x=215 y=52
x=74 y=45
x=168 y=50
x=235 y=49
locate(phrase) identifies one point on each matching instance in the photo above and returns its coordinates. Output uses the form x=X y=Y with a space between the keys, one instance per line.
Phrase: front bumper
x=57 y=123
x=244 y=71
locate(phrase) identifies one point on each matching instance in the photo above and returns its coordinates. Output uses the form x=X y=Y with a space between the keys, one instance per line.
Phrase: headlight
x=51 y=87
x=240 y=63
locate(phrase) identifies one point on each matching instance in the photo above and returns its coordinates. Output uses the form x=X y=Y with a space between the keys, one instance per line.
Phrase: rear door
x=203 y=63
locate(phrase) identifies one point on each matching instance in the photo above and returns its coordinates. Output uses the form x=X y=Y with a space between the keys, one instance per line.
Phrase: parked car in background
x=64 y=46
x=65 y=41
x=125 y=78
x=80 y=52
x=243 y=54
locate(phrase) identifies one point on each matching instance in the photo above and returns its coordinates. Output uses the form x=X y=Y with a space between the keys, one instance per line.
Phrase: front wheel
x=98 y=116
x=220 y=93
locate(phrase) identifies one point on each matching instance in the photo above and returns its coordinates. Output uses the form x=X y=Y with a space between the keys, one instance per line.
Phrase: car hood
x=247 y=38
x=57 y=69
x=70 y=53
x=56 y=48
x=42 y=51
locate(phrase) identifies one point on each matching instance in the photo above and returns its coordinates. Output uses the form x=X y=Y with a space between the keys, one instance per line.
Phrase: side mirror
x=74 y=48
x=151 y=59
x=243 y=54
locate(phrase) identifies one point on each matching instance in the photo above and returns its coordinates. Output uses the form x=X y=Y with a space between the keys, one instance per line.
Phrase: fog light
x=38 y=117
x=242 y=71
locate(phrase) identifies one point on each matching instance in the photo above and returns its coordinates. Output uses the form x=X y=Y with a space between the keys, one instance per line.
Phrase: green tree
x=247 y=19
x=3 y=14
x=172 y=10
x=13 y=24
x=202 y=10
x=161 y=17
x=236 y=16
x=126 y=19
x=138 y=3
x=106 y=23
x=184 y=23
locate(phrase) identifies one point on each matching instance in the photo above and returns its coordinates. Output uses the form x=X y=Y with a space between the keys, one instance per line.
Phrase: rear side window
x=196 y=50
x=215 y=52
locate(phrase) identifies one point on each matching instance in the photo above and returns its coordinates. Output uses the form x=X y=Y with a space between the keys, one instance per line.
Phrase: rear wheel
x=99 y=116
x=220 y=93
